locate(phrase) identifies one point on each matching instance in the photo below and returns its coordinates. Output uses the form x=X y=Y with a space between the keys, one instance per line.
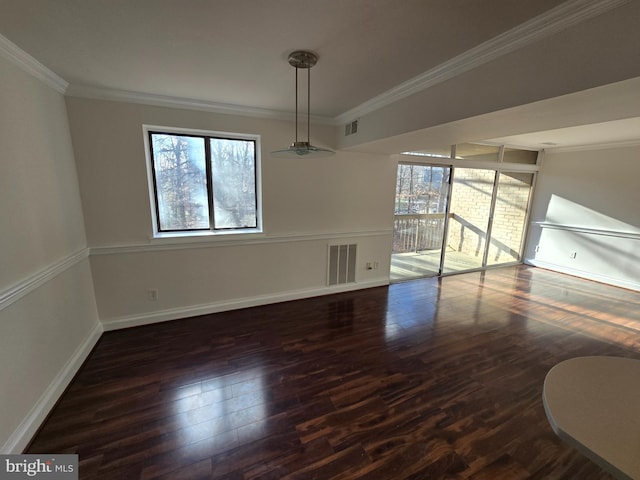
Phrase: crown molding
x=26 y=62
x=97 y=93
x=563 y=16
x=594 y=146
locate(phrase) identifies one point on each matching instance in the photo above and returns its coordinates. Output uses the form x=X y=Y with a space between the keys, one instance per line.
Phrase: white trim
x=459 y=163
x=35 y=280
x=213 y=241
x=563 y=16
x=22 y=435
x=594 y=146
x=227 y=305
x=256 y=138
x=98 y=93
x=27 y=63
x=582 y=274
x=146 y=128
x=589 y=230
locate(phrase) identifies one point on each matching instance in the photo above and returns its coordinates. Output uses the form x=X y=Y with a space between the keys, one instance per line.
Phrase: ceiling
x=234 y=52
x=612 y=132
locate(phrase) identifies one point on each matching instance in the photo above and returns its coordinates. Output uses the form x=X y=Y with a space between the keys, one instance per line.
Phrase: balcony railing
x=415 y=233
x=418 y=232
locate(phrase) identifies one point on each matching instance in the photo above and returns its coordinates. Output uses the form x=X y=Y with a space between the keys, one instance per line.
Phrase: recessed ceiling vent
x=351 y=128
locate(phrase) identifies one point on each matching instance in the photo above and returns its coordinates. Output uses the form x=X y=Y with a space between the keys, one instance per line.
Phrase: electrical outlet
x=572 y=254
x=369 y=266
x=537 y=249
x=152 y=294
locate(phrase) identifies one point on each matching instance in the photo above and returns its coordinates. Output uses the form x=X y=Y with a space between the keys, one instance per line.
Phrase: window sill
x=200 y=236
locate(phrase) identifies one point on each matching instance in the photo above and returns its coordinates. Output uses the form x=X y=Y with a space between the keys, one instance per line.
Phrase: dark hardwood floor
x=430 y=379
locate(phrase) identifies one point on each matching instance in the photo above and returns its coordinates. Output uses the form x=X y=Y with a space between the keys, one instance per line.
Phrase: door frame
x=499 y=169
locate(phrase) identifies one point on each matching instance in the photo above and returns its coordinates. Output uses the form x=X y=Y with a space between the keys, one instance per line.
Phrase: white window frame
x=157 y=233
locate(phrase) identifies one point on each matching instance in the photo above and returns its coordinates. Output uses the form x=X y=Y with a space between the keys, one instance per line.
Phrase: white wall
x=307 y=204
x=587 y=202
x=48 y=316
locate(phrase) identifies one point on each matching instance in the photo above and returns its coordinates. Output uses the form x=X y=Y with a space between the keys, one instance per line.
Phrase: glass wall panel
x=476 y=152
x=436 y=152
x=509 y=218
x=513 y=155
x=471 y=193
x=450 y=220
x=421 y=203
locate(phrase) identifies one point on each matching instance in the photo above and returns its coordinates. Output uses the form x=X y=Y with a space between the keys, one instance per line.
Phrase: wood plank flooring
x=429 y=379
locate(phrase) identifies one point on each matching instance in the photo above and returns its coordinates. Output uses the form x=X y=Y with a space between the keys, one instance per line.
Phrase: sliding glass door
x=422 y=193
x=450 y=220
x=469 y=217
x=509 y=217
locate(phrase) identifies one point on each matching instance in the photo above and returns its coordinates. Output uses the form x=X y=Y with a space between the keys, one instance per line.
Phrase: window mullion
x=209 y=170
x=155 y=182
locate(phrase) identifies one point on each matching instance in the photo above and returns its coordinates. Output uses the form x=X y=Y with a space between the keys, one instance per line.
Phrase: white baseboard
x=597 y=277
x=23 y=434
x=204 y=309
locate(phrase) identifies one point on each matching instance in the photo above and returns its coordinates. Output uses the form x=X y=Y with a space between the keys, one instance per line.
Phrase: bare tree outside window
x=234 y=183
x=203 y=182
x=181 y=182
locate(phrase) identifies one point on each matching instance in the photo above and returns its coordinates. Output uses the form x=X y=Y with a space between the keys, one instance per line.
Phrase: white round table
x=593 y=404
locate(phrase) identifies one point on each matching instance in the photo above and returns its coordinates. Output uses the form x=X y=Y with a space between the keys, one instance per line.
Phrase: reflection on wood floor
x=435 y=378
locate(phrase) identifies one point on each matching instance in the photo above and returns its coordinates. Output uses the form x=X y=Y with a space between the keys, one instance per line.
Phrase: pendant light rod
x=308 y=104
x=296 y=103
x=303 y=59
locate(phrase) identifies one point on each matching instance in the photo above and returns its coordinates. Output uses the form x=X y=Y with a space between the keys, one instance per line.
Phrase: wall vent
x=351 y=128
x=342 y=264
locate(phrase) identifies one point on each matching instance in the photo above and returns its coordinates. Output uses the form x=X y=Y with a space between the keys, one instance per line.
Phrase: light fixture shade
x=306 y=60
x=302 y=149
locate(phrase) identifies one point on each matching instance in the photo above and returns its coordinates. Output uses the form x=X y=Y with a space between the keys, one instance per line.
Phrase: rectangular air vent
x=342 y=264
x=351 y=128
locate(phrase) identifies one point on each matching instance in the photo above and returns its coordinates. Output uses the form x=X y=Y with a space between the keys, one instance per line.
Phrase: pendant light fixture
x=303 y=59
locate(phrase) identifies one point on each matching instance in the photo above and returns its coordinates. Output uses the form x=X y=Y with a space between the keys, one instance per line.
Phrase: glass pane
x=233 y=168
x=441 y=152
x=181 y=182
x=513 y=155
x=509 y=217
x=421 y=202
x=471 y=194
x=473 y=151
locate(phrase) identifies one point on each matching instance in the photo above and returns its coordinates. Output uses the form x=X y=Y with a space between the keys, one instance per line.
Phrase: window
x=203 y=181
x=476 y=151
